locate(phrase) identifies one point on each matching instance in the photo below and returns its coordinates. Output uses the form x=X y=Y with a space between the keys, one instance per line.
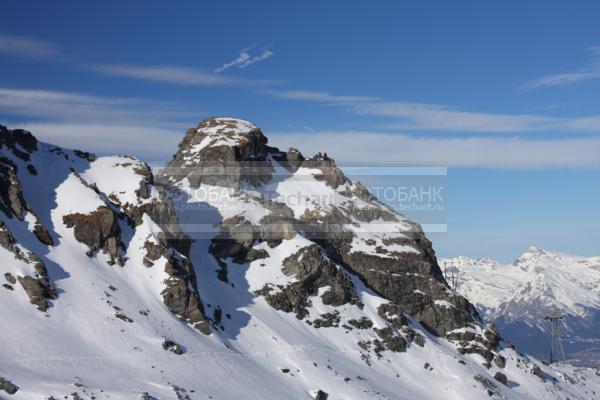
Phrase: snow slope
x=103 y=333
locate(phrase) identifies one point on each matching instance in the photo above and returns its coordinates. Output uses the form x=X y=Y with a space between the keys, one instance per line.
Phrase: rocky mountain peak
x=220 y=133
x=263 y=186
x=224 y=131
x=219 y=151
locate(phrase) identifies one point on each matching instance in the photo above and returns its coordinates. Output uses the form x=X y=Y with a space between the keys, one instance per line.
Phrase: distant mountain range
x=518 y=295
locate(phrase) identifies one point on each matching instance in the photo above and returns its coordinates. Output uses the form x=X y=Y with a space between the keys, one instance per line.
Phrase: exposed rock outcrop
x=180 y=294
x=312 y=270
x=20 y=142
x=222 y=152
x=38 y=287
x=500 y=377
x=170 y=345
x=99 y=230
x=410 y=279
x=12 y=202
x=8 y=386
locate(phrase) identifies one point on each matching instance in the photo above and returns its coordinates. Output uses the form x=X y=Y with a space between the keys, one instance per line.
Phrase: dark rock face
x=312 y=271
x=254 y=254
x=123 y=317
x=85 y=155
x=143 y=191
x=170 y=345
x=485 y=345
x=362 y=323
x=291 y=160
x=11 y=195
x=327 y=320
x=38 y=287
x=10 y=278
x=237 y=236
x=331 y=174
x=98 y=230
x=178 y=296
x=500 y=361
x=310 y=266
x=406 y=280
x=392 y=341
x=500 y=377
x=321 y=395
x=393 y=314
x=8 y=386
x=153 y=253
x=38 y=292
x=228 y=152
x=21 y=144
x=413 y=337
x=43 y=235
x=12 y=202
x=18 y=137
x=537 y=371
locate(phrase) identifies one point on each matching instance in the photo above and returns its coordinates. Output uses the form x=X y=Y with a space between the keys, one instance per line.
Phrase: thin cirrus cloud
x=588 y=72
x=435 y=117
x=320 y=97
x=76 y=107
x=146 y=128
x=24 y=47
x=151 y=130
x=27 y=47
x=245 y=59
x=177 y=75
x=482 y=152
x=149 y=143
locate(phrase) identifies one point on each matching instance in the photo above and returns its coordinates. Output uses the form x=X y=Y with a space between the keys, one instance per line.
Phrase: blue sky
x=504 y=94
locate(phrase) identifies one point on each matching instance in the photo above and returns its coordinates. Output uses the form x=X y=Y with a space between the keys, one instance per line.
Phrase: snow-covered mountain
x=239 y=271
x=519 y=295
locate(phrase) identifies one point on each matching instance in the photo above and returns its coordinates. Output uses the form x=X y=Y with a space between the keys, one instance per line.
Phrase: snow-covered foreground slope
x=519 y=295
x=243 y=272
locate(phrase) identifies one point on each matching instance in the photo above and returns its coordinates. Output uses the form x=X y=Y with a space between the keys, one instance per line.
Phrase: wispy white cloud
x=245 y=59
x=27 y=47
x=435 y=117
x=483 y=152
x=418 y=116
x=32 y=48
x=167 y=74
x=73 y=107
x=177 y=75
x=151 y=130
x=320 y=97
x=145 y=128
x=588 y=72
x=146 y=142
